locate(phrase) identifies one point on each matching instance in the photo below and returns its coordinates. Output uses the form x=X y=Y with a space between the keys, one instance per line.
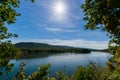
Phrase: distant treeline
x=41 y=48
x=54 y=50
x=103 y=50
x=31 y=47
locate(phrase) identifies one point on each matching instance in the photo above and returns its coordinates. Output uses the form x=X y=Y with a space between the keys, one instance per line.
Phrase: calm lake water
x=66 y=62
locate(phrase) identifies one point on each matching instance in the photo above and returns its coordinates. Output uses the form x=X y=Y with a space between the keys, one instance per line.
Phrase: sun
x=59 y=8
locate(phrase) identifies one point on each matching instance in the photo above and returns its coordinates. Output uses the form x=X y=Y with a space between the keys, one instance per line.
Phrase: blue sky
x=44 y=21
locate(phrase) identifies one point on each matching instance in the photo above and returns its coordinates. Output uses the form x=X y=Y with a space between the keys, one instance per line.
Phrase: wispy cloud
x=54 y=29
x=75 y=43
x=43 y=23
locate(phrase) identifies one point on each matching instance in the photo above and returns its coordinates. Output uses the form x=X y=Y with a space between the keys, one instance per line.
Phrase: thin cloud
x=64 y=27
x=72 y=30
x=61 y=30
x=53 y=29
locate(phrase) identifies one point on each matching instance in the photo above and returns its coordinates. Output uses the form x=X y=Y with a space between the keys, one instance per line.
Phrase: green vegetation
x=56 y=50
x=91 y=72
x=99 y=14
x=105 y=16
x=28 y=48
x=7 y=50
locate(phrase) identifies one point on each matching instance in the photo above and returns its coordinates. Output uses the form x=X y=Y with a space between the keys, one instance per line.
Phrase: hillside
x=31 y=47
x=37 y=45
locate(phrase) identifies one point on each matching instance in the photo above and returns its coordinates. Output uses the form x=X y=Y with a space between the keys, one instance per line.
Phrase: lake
x=66 y=62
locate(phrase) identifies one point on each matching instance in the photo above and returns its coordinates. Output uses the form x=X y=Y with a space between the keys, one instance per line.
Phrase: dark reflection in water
x=66 y=62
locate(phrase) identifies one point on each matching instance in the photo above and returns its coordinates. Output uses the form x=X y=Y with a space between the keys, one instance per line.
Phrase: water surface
x=66 y=62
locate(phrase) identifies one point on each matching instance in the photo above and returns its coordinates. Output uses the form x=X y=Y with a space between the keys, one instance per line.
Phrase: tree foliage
x=99 y=14
x=41 y=74
x=90 y=72
x=102 y=14
x=105 y=15
x=8 y=16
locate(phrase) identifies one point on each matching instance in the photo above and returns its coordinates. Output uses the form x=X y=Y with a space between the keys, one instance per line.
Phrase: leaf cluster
x=105 y=15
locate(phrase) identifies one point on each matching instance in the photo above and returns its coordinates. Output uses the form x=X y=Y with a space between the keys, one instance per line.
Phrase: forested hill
x=37 y=45
x=43 y=47
x=32 y=47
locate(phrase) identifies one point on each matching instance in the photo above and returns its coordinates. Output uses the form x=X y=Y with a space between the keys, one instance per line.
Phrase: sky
x=56 y=22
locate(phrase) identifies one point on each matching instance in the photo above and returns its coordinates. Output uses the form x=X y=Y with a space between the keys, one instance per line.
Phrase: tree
x=8 y=16
x=105 y=16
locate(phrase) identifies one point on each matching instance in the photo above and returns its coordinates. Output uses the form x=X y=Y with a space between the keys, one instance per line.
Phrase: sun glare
x=60 y=8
